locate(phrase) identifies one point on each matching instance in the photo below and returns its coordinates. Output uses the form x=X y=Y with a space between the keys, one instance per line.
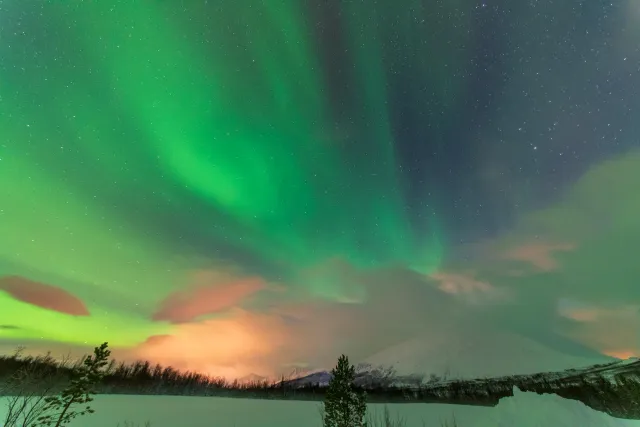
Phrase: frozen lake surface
x=522 y=410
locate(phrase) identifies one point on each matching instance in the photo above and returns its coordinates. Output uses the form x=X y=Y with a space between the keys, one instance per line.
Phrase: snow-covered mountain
x=609 y=371
x=456 y=352
x=321 y=378
x=459 y=353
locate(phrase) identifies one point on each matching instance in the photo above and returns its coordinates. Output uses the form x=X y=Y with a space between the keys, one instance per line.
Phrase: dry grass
x=382 y=420
x=449 y=423
x=385 y=419
x=131 y=424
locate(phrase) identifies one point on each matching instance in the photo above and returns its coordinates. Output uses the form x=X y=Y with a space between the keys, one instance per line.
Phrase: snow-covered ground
x=522 y=410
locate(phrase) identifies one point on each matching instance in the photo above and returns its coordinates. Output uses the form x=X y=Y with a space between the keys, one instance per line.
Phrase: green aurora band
x=140 y=144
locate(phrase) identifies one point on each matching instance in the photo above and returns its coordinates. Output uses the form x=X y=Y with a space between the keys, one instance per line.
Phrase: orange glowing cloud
x=538 y=254
x=42 y=295
x=238 y=344
x=212 y=292
x=621 y=354
x=613 y=330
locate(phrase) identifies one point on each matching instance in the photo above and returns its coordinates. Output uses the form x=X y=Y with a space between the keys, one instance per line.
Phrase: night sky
x=242 y=187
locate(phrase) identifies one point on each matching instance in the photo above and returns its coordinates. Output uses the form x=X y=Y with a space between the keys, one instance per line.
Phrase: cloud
x=582 y=248
x=539 y=254
x=302 y=330
x=42 y=295
x=615 y=329
x=236 y=344
x=211 y=292
x=465 y=285
x=592 y=313
x=398 y=306
x=291 y=328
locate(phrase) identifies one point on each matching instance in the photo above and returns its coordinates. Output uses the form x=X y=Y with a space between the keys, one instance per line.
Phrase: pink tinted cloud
x=593 y=313
x=582 y=314
x=466 y=286
x=614 y=330
x=212 y=292
x=42 y=295
x=539 y=254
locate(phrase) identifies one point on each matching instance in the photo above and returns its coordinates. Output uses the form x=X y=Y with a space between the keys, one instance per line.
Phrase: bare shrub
x=26 y=391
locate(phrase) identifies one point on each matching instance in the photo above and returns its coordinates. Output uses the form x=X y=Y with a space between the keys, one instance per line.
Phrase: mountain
x=609 y=371
x=320 y=378
x=459 y=352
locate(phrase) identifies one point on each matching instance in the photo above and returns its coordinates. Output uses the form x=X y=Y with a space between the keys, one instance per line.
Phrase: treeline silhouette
x=616 y=394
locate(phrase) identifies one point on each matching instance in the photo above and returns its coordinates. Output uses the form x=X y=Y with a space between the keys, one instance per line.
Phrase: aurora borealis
x=212 y=183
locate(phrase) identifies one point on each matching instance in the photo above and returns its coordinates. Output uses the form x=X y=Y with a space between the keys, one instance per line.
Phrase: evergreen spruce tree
x=343 y=406
x=59 y=410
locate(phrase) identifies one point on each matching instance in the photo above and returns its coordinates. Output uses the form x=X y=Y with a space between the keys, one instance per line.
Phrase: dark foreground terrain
x=613 y=388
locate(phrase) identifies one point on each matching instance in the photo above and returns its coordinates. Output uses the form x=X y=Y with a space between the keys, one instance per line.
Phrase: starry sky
x=239 y=187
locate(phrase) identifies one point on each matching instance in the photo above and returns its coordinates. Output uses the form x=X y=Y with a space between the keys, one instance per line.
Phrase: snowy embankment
x=522 y=410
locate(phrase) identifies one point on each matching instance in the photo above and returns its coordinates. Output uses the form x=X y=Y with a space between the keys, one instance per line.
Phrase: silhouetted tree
x=343 y=405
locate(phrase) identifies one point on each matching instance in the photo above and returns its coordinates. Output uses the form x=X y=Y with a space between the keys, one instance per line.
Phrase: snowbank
x=533 y=410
